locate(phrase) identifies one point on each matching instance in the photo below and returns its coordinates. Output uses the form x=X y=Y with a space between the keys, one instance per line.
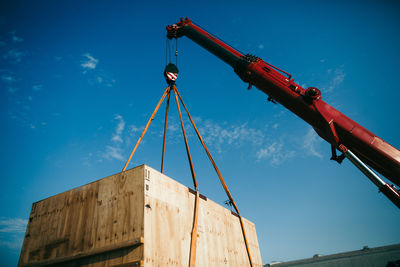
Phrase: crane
x=359 y=145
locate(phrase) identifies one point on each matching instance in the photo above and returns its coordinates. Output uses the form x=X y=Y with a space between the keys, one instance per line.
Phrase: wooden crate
x=136 y=218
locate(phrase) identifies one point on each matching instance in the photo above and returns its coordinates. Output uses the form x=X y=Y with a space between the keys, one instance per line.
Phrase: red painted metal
x=175 y=28
x=329 y=123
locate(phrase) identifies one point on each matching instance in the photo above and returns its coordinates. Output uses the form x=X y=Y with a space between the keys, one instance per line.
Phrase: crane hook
x=171 y=73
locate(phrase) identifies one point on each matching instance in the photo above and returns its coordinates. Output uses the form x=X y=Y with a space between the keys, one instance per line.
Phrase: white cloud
x=8 y=78
x=17 y=39
x=22 y=106
x=113 y=152
x=12 y=90
x=172 y=127
x=257 y=142
x=261 y=46
x=89 y=63
x=224 y=135
x=275 y=153
x=217 y=134
x=96 y=76
x=116 y=138
x=102 y=78
x=262 y=153
x=133 y=129
x=14 y=55
x=337 y=79
x=174 y=130
x=15 y=242
x=12 y=225
x=37 y=87
x=119 y=129
x=310 y=142
x=12 y=232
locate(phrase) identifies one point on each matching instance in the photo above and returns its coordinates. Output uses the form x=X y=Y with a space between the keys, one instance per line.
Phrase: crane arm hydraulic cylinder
x=329 y=123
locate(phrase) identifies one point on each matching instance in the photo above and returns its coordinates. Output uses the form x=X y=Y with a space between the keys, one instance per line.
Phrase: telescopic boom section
x=205 y=39
x=329 y=123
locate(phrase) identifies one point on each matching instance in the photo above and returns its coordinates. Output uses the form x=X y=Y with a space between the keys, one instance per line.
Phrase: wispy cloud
x=338 y=78
x=275 y=152
x=9 y=81
x=310 y=143
x=12 y=232
x=37 y=87
x=89 y=62
x=12 y=225
x=12 y=89
x=114 y=150
x=96 y=76
x=14 y=242
x=119 y=129
x=239 y=135
x=14 y=55
x=15 y=38
x=20 y=111
x=174 y=132
x=20 y=101
x=101 y=77
x=217 y=134
x=260 y=144
x=133 y=129
x=172 y=127
x=7 y=78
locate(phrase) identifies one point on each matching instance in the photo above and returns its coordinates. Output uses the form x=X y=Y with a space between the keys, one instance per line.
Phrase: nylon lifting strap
x=165 y=131
x=192 y=252
x=220 y=177
x=167 y=92
x=145 y=128
x=192 y=255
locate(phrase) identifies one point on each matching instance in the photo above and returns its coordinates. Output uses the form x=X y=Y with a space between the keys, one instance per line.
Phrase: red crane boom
x=339 y=130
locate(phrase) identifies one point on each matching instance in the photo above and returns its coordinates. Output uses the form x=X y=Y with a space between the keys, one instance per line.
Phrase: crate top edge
x=131 y=169
x=95 y=181
x=208 y=199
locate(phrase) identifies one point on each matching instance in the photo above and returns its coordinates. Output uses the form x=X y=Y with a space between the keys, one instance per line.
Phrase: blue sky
x=79 y=80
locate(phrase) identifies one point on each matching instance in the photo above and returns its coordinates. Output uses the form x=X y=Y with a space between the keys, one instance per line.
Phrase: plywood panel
x=220 y=241
x=168 y=220
x=87 y=219
x=168 y=225
x=136 y=218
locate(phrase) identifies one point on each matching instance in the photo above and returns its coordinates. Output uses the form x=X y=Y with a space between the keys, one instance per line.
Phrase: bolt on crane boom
x=353 y=140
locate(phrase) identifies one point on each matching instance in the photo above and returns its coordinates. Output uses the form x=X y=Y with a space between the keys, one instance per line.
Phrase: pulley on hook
x=171 y=70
